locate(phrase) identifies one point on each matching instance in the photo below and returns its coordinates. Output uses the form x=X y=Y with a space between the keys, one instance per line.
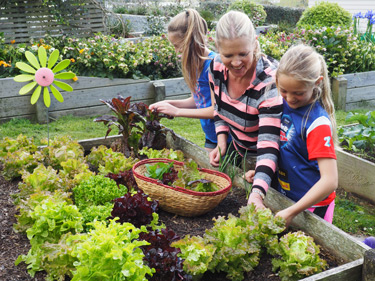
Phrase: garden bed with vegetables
x=84 y=215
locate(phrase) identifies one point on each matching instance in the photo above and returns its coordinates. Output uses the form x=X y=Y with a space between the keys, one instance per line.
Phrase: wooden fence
x=85 y=99
x=21 y=20
x=354 y=91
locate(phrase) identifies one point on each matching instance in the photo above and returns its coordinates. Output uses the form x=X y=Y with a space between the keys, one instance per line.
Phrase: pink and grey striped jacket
x=253 y=120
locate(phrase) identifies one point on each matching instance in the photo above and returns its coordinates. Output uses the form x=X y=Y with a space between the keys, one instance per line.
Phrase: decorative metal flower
x=44 y=76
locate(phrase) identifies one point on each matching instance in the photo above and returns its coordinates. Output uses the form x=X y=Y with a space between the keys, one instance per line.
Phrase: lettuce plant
x=162 y=257
x=177 y=155
x=97 y=190
x=299 y=257
x=109 y=252
x=137 y=209
x=11 y=145
x=125 y=178
x=196 y=254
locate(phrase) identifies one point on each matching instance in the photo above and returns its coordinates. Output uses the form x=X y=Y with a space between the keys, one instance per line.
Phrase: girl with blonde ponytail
x=307 y=163
x=187 y=32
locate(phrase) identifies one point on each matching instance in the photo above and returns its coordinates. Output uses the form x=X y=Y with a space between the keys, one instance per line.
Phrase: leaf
x=61 y=65
x=32 y=59
x=46 y=97
x=36 y=94
x=27 y=88
x=63 y=86
x=25 y=67
x=56 y=94
x=65 y=75
x=24 y=78
x=42 y=54
x=53 y=58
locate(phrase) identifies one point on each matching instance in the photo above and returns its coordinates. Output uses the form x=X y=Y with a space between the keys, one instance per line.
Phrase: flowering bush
x=370 y=16
x=255 y=11
x=103 y=56
x=343 y=51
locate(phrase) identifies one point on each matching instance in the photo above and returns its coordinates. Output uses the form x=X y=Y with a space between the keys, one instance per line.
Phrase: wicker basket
x=179 y=200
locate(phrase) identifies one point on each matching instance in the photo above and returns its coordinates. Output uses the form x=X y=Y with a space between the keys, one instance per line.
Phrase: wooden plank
x=362 y=94
x=91 y=97
x=28 y=116
x=356 y=175
x=10 y=88
x=360 y=79
x=370 y=104
x=13 y=107
x=175 y=86
x=84 y=82
x=159 y=88
x=368 y=272
x=339 y=89
x=347 y=272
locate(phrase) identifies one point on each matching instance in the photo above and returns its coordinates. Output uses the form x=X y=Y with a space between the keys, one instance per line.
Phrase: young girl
x=187 y=32
x=307 y=162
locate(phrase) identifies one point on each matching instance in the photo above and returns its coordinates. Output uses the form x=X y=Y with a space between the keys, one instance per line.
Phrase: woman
x=247 y=105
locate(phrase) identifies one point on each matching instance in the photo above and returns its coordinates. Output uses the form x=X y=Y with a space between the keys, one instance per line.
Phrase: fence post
x=368 y=269
x=339 y=90
x=159 y=91
x=41 y=112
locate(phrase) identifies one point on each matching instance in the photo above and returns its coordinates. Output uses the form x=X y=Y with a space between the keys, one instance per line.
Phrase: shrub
x=279 y=14
x=217 y=8
x=325 y=14
x=254 y=11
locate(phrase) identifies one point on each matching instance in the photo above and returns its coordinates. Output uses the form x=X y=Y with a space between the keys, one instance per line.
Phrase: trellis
x=22 y=20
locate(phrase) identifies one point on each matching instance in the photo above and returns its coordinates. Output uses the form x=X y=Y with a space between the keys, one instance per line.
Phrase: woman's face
x=176 y=41
x=237 y=55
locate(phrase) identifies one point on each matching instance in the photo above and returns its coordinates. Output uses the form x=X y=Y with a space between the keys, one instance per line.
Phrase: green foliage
x=254 y=11
x=98 y=155
x=177 y=155
x=11 y=145
x=325 y=14
x=359 y=137
x=94 y=213
x=196 y=254
x=98 y=190
x=155 y=25
x=299 y=257
x=215 y=7
x=280 y=14
x=156 y=171
x=116 y=163
x=109 y=253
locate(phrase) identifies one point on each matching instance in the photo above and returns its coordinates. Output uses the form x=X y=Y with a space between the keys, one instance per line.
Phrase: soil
x=13 y=244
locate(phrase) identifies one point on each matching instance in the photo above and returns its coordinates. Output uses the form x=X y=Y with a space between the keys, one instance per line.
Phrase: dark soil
x=13 y=244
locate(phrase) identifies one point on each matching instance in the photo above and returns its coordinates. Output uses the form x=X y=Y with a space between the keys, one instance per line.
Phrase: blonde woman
x=247 y=105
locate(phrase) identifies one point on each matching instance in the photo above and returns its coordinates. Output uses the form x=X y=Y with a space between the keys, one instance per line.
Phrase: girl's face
x=237 y=55
x=294 y=92
x=176 y=41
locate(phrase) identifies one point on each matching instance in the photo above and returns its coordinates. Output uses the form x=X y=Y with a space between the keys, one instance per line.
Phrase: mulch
x=13 y=244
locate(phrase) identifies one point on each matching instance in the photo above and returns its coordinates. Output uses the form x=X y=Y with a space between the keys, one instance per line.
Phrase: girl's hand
x=166 y=108
x=287 y=215
x=215 y=155
x=256 y=199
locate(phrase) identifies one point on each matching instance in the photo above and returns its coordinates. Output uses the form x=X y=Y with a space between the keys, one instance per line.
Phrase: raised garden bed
x=345 y=253
x=354 y=91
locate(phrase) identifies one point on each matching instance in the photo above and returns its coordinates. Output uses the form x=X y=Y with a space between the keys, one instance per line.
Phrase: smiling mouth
x=237 y=68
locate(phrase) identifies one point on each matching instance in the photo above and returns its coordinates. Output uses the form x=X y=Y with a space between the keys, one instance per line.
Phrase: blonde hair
x=306 y=65
x=233 y=25
x=192 y=29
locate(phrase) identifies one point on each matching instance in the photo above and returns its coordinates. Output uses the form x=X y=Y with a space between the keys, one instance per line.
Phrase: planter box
x=359 y=259
x=356 y=175
x=354 y=91
x=84 y=100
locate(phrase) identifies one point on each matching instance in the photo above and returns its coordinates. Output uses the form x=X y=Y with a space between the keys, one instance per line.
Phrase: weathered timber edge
x=354 y=91
x=356 y=175
x=85 y=98
x=339 y=243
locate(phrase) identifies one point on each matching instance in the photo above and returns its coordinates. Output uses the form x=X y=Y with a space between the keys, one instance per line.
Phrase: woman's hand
x=165 y=107
x=256 y=199
x=249 y=176
x=216 y=154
